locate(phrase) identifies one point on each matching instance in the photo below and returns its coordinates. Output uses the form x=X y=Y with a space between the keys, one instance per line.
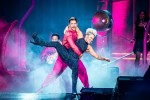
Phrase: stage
x=110 y=65
x=126 y=88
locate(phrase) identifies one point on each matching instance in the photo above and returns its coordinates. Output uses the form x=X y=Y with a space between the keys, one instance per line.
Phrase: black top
x=82 y=45
x=140 y=30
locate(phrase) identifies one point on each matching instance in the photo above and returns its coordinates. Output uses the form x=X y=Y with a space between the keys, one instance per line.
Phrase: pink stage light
x=22 y=58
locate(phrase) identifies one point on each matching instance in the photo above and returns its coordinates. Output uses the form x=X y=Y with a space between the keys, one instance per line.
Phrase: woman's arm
x=95 y=55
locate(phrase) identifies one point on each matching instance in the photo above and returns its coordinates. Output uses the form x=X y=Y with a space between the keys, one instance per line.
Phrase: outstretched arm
x=95 y=55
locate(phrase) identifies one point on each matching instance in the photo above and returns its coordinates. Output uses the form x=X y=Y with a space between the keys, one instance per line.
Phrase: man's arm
x=95 y=55
x=72 y=44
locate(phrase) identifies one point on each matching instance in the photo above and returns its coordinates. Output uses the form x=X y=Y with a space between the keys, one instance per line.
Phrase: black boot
x=41 y=42
x=37 y=40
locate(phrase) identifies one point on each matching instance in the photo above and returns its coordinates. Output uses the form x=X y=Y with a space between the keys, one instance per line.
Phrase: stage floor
x=35 y=96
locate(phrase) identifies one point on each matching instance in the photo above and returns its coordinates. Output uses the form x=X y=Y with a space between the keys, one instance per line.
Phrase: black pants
x=68 y=56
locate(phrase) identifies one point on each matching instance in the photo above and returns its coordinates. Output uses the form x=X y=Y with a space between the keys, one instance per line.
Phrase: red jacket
x=69 y=41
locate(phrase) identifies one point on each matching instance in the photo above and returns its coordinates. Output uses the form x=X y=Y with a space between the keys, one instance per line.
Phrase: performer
x=148 y=35
x=69 y=42
x=69 y=56
x=140 y=27
x=49 y=54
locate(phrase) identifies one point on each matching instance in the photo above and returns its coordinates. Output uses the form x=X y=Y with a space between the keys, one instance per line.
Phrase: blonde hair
x=91 y=31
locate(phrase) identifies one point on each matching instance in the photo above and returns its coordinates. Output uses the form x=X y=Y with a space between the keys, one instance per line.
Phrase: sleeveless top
x=139 y=33
x=82 y=45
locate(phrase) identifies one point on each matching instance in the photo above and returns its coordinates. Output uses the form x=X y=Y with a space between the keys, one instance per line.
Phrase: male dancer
x=69 y=42
x=69 y=56
x=49 y=54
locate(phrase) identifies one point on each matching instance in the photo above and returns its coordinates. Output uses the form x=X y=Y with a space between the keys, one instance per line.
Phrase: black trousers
x=68 y=56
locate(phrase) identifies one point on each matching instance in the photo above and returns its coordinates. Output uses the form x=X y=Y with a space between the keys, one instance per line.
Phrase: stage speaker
x=132 y=88
x=96 y=93
x=147 y=74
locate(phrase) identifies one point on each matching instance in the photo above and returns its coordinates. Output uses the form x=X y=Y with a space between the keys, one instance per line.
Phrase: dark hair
x=54 y=34
x=138 y=17
x=72 y=18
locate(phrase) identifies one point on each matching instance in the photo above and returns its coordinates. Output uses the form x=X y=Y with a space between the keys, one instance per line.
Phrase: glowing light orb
x=102 y=20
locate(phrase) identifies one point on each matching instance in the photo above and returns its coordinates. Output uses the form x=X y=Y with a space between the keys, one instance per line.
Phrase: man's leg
x=82 y=73
x=59 y=67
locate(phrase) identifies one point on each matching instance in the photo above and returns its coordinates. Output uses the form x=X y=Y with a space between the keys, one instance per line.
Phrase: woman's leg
x=137 y=59
x=137 y=62
x=62 y=51
x=74 y=67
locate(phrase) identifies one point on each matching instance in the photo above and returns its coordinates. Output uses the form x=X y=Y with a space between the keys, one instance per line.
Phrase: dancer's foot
x=75 y=96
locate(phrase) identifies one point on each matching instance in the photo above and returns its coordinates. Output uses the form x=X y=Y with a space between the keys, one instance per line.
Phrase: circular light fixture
x=102 y=20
